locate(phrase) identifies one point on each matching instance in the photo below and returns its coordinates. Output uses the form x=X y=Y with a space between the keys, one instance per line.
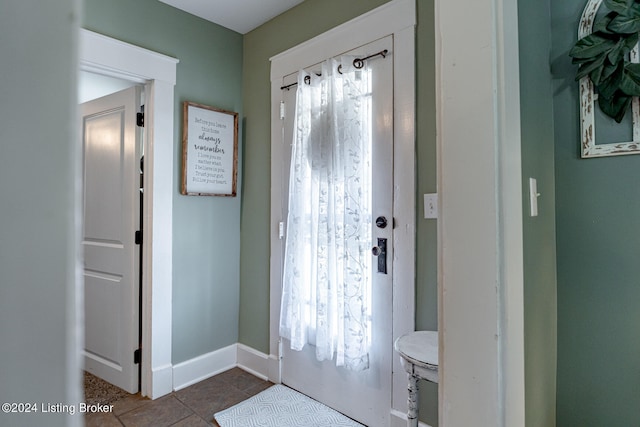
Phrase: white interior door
x=112 y=148
x=366 y=395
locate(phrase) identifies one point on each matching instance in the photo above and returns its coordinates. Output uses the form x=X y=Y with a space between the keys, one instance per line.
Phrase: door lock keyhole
x=380 y=251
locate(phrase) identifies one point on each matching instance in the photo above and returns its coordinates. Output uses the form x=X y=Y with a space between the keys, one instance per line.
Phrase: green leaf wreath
x=603 y=55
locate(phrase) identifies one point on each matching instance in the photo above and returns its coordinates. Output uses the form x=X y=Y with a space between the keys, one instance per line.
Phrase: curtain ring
x=307 y=79
x=358 y=63
x=340 y=68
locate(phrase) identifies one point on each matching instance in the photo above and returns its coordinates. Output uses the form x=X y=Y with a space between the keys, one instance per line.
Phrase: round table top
x=419 y=347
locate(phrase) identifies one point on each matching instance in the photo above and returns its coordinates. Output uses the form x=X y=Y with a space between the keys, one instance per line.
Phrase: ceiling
x=241 y=16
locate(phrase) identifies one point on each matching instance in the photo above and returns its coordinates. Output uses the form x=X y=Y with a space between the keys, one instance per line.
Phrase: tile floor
x=193 y=406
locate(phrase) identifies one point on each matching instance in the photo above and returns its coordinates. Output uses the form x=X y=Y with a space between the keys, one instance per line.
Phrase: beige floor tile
x=158 y=413
x=193 y=406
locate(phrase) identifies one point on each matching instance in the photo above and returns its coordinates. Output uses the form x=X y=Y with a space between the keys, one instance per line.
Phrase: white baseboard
x=399 y=419
x=265 y=366
x=253 y=361
x=202 y=367
x=236 y=355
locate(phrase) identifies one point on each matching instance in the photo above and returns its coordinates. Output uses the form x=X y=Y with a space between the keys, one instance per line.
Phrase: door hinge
x=281 y=110
x=138 y=238
x=137 y=356
x=140 y=117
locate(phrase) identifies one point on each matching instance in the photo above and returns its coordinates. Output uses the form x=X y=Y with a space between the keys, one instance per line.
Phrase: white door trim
x=397 y=18
x=480 y=265
x=104 y=55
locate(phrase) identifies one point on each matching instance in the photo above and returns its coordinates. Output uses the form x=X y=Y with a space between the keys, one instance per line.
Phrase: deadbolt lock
x=381 y=222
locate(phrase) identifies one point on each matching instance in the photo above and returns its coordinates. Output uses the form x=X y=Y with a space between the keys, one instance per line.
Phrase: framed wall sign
x=209 y=151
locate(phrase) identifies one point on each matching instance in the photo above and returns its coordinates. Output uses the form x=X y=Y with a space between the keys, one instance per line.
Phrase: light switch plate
x=431 y=205
x=533 y=196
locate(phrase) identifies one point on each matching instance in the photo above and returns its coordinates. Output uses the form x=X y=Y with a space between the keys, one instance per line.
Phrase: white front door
x=111 y=198
x=366 y=395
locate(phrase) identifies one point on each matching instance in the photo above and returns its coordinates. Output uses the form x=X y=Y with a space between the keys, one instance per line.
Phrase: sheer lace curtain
x=327 y=268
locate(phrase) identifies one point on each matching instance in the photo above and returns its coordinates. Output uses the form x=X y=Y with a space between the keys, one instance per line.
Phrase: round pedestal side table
x=419 y=357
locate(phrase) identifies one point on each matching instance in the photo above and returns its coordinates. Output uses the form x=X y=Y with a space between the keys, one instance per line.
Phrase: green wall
x=598 y=235
x=206 y=230
x=540 y=302
x=39 y=238
x=301 y=23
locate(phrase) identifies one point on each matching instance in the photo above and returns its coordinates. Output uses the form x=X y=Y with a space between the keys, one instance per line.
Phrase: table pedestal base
x=412 y=402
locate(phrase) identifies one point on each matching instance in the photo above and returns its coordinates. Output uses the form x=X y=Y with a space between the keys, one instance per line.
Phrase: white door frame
x=107 y=56
x=397 y=18
x=480 y=265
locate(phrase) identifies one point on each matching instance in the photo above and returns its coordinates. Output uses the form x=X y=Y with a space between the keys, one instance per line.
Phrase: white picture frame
x=588 y=99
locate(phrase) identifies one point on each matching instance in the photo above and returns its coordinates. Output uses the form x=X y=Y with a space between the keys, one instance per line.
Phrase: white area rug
x=280 y=406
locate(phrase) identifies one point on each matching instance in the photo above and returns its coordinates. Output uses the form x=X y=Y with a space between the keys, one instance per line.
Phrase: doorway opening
x=110 y=57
